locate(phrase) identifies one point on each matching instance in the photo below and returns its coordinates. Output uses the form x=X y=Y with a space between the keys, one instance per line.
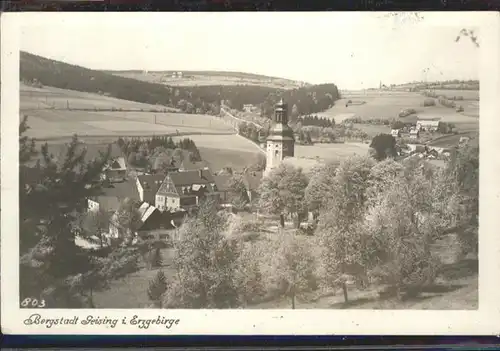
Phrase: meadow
x=466 y=94
x=34 y=98
x=388 y=105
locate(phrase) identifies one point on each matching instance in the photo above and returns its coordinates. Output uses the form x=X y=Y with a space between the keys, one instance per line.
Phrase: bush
x=429 y=102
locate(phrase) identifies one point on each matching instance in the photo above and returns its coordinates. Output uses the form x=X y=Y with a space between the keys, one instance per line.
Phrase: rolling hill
x=207 y=78
x=204 y=99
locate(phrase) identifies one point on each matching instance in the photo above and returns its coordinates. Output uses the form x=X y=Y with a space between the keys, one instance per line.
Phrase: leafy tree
x=127 y=219
x=258 y=164
x=397 y=125
x=157 y=287
x=384 y=146
x=318 y=190
x=338 y=227
x=463 y=170
x=293 y=266
x=156 y=259
x=282 y=192
x=402 y=226
x=205 y=263
x=237 y=191
x=248 y=276
x=94 y=224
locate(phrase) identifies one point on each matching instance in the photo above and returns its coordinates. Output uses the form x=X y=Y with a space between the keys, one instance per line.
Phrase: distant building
x=428 y=125
x=396 y=133
x=414 y=133
x=248 y=107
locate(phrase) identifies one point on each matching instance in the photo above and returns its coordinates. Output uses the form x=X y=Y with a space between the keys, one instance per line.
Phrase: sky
x=354 y=51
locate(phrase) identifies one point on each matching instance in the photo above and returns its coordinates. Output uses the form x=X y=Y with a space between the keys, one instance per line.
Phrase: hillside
x=204 y=78
x=39 y=71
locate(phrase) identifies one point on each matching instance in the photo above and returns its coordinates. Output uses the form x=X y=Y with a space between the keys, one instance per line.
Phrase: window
x=276 y=152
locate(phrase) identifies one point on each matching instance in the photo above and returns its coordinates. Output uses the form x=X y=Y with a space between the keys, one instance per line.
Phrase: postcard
x=250 y=173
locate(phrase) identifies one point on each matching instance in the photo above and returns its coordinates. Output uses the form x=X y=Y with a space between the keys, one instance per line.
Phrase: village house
x=184 y=190
x=428 y=125
x=414 y=134
x=148 y=185
x=151 y=219
x=115 y=170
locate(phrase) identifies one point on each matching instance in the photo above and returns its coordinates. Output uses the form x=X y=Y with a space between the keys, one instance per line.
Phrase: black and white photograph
x=203 y=162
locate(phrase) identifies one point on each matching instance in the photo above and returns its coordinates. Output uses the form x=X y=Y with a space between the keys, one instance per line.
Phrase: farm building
x=428 y=125
x=184 y=190
x=148 y=185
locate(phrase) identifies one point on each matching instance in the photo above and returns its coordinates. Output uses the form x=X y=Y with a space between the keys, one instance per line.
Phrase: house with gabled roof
x=148 y=185
x=184 y=190
x=115 y=170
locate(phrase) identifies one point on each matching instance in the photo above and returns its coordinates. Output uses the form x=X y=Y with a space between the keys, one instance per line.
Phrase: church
x=280 y=145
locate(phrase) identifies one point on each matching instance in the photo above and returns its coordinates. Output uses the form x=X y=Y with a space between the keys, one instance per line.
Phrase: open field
x=450 y=93
x=330 y=151
x=388 y=104
x=208 y=79
x=46 y=122
x=32 y=98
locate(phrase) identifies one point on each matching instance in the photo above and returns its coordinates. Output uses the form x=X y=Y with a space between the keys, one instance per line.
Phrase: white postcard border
x=486 y=320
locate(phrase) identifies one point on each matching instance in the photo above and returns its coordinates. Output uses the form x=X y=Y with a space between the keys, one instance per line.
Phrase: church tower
x=280 y=142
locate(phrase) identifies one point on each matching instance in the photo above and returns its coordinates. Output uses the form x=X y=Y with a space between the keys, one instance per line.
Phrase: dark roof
x=187 y=165
x=252 y=180
x=127 y=189
x=151 y=181
x=222 y=181
x=192 y=177
x=187 y=179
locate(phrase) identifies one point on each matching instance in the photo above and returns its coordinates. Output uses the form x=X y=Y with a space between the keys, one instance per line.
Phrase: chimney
x=200 y=172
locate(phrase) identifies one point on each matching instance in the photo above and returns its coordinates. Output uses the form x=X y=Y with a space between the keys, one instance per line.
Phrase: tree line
x=201 y=99
x=302 y=101
x=139 y=151
x=309 y=120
